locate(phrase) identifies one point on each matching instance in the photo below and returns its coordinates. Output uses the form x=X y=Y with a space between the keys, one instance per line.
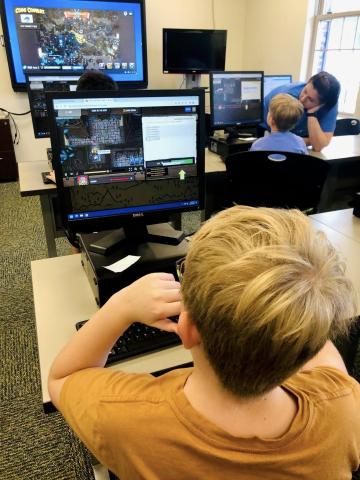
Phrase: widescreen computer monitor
x=236 y=100
x=274 y=81
x=193 y=52
x=124 y=159
x=37 y=86
x=71 y=36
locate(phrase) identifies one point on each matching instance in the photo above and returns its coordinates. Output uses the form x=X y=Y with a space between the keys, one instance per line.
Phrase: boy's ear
x=188 y=331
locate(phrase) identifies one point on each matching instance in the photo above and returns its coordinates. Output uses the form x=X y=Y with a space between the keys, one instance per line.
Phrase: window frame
x=319 y=17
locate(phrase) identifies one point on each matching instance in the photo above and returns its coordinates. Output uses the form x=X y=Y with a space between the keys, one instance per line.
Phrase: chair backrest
x=276 y=179
x=347 y=126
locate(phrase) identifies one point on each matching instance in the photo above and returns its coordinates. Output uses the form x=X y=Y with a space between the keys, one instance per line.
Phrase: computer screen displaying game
x=121 y=156
x=38 y=85
x=74 y=35
x=236 y=98
x=274 y=81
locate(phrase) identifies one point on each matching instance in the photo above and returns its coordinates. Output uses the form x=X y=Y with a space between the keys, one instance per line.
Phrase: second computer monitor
x=236 y=99
x=37 y=86
x=274 y=81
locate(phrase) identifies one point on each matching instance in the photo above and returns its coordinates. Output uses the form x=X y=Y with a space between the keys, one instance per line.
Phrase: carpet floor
x=33 y=445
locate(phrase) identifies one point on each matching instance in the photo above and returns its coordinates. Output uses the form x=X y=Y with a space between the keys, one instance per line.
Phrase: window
x=337 y=47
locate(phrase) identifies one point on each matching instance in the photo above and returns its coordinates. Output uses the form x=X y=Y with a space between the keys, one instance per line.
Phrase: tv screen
x=70 y=36
x=236 y=99
x=274 y=81
x=193 y=51
x=127 y=156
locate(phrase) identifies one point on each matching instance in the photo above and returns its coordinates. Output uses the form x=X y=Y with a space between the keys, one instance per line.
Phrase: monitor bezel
x=106 y=223
x=22 y=87
x=283 y=75
x=240 y=125
x=190 y=70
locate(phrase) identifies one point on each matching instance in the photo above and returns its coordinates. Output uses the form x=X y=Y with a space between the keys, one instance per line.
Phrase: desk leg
x=46 y=209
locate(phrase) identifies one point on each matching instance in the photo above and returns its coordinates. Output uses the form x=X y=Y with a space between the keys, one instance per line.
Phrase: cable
x=13 y=113
x=213 y=13
x=16 y=138
x=17 y=134
x=182 y=82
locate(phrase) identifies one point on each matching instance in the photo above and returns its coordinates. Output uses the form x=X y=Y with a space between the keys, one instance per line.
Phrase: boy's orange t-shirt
x=142 y=427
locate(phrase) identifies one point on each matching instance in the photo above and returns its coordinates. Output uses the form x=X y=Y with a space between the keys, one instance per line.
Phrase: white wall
x=274 y=34
x=262 y=34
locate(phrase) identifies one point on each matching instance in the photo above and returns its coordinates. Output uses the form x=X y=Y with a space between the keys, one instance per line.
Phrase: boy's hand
x=150 y=300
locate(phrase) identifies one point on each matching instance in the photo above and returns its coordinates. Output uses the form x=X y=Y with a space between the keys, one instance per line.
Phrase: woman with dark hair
x=319 y=97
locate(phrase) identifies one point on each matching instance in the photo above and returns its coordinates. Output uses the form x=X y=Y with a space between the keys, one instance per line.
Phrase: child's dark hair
x=95 y=80
x=327 y=87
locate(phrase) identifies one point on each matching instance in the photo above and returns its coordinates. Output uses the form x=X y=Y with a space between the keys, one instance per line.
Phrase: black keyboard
x=138 y=339
x=45 y=179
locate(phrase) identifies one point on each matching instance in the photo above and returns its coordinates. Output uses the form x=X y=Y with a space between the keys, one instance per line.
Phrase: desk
x=31 y=183
x=343 y=180
x=341 y=221
x=343 y=230
x=339 y=148
x=340 y=152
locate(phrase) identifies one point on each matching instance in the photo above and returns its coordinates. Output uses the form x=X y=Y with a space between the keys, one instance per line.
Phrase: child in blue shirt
x=284 y=113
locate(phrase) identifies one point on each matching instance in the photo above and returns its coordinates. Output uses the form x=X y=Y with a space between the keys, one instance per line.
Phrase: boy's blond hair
x=285 y=111
x=266 y=292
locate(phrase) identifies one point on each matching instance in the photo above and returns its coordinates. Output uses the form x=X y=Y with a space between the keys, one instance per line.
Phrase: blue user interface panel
x=70 y=36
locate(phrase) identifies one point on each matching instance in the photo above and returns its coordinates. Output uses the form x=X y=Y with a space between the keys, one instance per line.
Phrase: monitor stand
x=192 y=80
x=236 y=133
x=137 y=233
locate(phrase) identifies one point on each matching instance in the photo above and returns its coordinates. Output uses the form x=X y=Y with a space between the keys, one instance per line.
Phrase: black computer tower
x=154 y=257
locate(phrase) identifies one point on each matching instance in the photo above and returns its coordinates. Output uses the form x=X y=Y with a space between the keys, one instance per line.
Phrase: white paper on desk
x=123 y=264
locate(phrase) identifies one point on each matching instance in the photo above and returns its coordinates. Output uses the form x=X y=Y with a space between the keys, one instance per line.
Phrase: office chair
x=347 y=126
x=276 y=179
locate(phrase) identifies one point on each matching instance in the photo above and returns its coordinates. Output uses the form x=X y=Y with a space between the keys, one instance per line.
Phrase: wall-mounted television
x=68 y=37
x=193 y=50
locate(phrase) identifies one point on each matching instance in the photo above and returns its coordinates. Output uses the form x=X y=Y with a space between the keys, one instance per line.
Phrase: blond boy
x=268 y=397
x=284 y=113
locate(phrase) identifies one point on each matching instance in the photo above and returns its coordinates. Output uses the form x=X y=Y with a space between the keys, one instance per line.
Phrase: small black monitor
x=193 y=50
x=236 y=99
x=127 y=158
x=72 y=36
x=274 y=81
x=37 y=86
